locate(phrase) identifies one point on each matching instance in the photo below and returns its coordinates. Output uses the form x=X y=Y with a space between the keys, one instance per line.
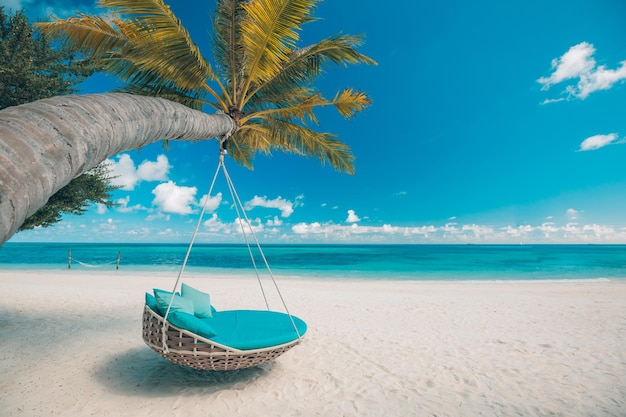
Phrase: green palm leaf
x=227 y=44
x=294 y=138
x=269 y=35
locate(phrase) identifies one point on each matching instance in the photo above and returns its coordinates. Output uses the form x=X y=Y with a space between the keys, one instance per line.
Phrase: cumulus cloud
x=285 y=206
x=352 y=217
x=154 y=171
x=578 y=64
x=212 y=204
x=172 y=198
x=127 y=176
x=214 y=225
x=599 y=141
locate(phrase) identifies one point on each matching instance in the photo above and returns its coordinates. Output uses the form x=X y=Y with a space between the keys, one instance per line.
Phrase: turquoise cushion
x=186 y=321
x=255 y=329
x=201 y=301
x=179 y=304
x=151 y=302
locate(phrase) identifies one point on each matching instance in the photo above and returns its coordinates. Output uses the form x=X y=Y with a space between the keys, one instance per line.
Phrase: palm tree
x=47 y=143
x=262 y=87
x=260 y=77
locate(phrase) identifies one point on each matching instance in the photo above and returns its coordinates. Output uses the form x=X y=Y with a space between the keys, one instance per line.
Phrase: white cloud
x=214 y=225
x=599 y=141
x=285 y=206
x=127 y=176
x=154 y=171
x=171 y=198
x=123 y=207
x=158 y=216
x=275 y=222
x=307 y=228
x=546 y=232
x=213 y=203
x=478 y=230
x=578 y=63
x=123 y=172
x=571 y=213
x=352 y=217
x=598 y=230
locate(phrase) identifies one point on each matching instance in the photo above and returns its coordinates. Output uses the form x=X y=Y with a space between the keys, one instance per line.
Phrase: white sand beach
x=71 y=346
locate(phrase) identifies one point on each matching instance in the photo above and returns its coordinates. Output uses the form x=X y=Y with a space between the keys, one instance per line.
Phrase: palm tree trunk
x=47 y=143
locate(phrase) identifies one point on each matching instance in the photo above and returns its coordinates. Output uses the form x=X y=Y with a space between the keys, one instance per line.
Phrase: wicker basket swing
x=185 y=348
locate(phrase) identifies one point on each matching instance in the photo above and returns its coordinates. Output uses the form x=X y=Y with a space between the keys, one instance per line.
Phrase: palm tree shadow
x=141 y=372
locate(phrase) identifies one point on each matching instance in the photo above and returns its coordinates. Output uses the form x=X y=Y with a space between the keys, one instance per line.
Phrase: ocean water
x=388 y=262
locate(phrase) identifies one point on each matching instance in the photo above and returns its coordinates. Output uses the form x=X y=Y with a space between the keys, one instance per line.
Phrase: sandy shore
x=71 y=346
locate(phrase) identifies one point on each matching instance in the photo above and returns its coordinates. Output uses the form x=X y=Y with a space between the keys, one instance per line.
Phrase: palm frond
x=227 y=44
x=305 y=64
x=348 y=102
x=96 y=35
x=150 y=47
x=295 y=138
x=278 y=98
x=269 y=35
x=248 y=140
x=302 y=110
x=163 y=44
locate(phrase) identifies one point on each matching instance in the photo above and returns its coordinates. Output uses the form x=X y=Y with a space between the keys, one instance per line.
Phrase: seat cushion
x=254 y=329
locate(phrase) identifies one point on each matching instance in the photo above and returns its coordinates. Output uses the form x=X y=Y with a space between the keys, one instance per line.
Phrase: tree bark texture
x=47 y=143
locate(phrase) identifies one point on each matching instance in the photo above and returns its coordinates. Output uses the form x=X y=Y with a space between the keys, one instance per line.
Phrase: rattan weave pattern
x=190 y=350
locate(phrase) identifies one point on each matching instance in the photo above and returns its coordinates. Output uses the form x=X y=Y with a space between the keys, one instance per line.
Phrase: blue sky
x=491 y=122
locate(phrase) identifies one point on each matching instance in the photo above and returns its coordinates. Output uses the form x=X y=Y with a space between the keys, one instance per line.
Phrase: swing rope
x=240 y=211
x=261 y=253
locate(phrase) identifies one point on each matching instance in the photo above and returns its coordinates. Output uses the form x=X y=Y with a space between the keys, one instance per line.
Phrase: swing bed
x=185 y=329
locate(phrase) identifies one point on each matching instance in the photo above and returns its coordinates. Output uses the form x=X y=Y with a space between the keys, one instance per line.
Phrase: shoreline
x=72 y=346
x=281 y=275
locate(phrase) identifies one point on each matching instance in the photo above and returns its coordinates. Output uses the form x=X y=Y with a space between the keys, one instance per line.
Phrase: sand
x=71 y=346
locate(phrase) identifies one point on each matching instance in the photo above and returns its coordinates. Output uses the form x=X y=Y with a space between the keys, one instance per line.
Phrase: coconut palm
x=47 y=143
x=262 y=83
x=260 y=76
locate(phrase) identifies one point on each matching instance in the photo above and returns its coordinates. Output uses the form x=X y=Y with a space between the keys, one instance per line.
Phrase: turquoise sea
x=395 y=262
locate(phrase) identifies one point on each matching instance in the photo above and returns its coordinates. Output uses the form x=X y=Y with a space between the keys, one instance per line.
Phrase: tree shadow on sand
x=142 y=372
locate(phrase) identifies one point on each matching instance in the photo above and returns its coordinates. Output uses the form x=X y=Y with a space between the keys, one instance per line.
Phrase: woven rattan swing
x=186 y=348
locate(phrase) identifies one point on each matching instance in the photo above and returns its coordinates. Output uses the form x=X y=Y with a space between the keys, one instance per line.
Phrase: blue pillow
x=179 y=304
x=201 y=301
x=151 y=302
x=192 y=323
